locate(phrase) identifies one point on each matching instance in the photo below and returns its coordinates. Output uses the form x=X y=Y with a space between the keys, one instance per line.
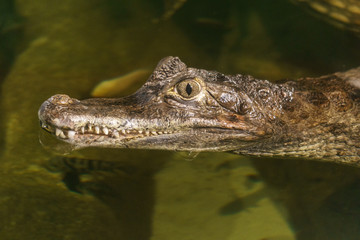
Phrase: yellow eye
x=188 y=88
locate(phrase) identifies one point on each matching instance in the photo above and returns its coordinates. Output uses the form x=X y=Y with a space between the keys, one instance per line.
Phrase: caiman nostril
x=61 y=99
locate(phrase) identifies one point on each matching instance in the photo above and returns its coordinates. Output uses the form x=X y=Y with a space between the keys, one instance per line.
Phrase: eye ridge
x=188 y=89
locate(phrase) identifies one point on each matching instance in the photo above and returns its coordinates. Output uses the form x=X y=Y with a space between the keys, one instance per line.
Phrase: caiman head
x=178 y=108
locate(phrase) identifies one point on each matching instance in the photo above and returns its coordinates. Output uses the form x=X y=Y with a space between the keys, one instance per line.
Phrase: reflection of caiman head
x=178 y=108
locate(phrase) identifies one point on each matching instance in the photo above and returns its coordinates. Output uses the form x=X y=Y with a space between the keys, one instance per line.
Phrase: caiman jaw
x=101 y=131
x=83 y=129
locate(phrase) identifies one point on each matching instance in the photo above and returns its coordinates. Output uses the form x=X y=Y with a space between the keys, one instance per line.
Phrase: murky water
x=70 y=46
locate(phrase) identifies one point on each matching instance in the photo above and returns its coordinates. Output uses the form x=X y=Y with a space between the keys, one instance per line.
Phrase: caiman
x=189 y=109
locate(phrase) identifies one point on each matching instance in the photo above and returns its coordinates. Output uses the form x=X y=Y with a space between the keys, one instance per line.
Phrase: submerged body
x=189 y=109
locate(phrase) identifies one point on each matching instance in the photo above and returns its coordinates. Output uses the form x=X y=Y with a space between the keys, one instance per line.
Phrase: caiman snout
x=58 y=99
x=61 y=99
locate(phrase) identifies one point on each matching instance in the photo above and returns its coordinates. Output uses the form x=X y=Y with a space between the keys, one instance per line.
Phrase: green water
x=70 y=46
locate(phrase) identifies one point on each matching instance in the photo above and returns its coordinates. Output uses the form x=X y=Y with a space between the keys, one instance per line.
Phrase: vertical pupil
x=188 y=89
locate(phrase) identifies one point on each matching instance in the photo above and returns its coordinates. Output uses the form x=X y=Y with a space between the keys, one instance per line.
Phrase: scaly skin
x=181 y=108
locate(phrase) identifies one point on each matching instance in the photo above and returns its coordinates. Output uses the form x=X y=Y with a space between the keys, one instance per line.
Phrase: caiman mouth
x=90 y=130
x=99 y=133
x=81 y=129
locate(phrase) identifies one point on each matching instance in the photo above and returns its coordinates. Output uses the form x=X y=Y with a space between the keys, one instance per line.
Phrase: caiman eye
x=188 y=88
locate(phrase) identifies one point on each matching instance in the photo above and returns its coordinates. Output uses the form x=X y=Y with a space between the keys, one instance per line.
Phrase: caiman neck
x=321 y=121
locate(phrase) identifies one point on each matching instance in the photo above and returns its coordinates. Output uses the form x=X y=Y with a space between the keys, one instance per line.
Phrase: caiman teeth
x=71 y=134
x=97 y=130
x=105 y=130
x=59 y=133
x=116 y=134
